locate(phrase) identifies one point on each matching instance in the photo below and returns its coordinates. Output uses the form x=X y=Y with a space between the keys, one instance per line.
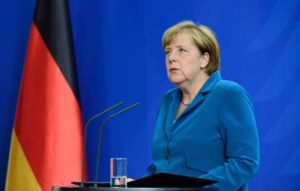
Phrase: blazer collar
x=211 y=82
x=206 y=88
x=173 y=107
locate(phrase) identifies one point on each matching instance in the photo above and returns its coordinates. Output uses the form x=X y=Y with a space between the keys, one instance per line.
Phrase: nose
x=171 y=57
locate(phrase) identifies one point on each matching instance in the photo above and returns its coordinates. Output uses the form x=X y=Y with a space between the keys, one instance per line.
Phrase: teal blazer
x=215 y=137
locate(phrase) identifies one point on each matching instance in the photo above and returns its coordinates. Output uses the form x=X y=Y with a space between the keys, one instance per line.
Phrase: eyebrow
x=179 y=46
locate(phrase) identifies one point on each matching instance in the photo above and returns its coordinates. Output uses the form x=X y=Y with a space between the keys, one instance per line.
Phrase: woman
x=206 y=126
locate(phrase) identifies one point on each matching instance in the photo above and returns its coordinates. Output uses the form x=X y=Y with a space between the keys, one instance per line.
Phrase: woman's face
x=184 y=60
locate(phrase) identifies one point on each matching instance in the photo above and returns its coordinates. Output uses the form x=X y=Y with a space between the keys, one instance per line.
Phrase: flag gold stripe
x=19 y=174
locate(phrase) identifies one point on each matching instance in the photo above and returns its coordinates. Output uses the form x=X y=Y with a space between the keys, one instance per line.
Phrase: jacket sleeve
x=239 y=134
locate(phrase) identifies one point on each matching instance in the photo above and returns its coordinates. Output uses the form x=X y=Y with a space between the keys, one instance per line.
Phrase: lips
x=173 y=69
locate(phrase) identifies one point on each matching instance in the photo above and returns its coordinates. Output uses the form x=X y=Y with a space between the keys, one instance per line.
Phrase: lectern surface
x=156 y=182
x=128 y=189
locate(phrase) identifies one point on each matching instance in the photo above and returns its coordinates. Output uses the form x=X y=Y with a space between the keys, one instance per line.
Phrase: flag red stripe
x=48 y=118
x=53 y=22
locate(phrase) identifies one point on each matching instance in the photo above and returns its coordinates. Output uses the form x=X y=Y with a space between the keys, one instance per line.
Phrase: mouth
x=172 y=70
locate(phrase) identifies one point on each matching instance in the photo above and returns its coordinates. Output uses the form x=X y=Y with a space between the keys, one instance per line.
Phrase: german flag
x=46 y=146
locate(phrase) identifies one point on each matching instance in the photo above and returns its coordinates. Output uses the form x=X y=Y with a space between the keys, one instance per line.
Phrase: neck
x=190 y=90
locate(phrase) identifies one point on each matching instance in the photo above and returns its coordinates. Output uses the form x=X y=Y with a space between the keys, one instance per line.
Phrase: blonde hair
x=203 y=38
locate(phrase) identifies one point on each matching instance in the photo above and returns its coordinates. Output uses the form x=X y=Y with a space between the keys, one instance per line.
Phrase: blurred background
x=119 y=57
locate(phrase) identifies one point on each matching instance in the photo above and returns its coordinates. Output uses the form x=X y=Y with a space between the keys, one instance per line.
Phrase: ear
x=204 y=60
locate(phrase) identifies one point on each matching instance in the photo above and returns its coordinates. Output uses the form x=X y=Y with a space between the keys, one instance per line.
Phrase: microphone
x=101 y=132
x=85 y=136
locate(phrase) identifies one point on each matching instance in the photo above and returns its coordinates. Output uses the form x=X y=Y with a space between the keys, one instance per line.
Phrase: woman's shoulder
x=171 y=92
x=229 y=87
x=169 y=95
x=233 y=94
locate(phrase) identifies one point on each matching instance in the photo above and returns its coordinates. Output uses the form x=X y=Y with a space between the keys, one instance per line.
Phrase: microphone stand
x=101 y=132
x=85 y=137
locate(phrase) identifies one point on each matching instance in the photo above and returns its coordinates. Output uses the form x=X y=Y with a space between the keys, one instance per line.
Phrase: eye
x=167 y=52
x=182 y=50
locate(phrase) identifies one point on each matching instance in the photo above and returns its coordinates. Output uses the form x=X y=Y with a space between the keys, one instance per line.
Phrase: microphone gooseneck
x=85 y=137
x=101 y=132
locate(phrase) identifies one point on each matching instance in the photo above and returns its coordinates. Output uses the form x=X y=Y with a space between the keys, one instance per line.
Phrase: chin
x=176 y=81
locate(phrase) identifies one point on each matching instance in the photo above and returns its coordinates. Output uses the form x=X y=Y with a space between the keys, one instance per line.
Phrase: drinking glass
x=118 y=172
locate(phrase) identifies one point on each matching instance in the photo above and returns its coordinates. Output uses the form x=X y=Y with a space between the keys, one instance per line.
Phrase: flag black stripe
x=53 y=22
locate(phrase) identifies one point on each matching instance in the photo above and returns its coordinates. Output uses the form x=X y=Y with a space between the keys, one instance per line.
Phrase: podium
x=157 y=182
x=129 y=189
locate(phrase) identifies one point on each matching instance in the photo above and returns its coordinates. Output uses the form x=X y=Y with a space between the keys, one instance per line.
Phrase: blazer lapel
x=207 y=87
x=172 y=110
